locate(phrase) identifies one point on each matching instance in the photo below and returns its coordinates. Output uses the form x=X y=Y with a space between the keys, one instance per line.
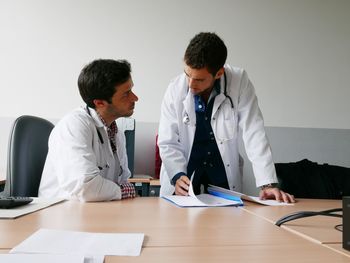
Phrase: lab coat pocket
x=102 y=162
x=225 y=123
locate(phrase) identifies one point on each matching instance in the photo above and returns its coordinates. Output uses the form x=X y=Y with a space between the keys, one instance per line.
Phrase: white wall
x=296 y=52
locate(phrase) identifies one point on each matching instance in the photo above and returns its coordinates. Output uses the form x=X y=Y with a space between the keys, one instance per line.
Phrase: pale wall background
x=296 y=53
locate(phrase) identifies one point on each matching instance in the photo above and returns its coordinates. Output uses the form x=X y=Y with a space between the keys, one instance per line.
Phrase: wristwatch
x=273 y=185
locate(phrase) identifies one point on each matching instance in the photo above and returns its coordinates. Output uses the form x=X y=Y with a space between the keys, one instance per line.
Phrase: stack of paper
x=202 y=200
x=217 y=196
x=92 y=247
x=41 y=258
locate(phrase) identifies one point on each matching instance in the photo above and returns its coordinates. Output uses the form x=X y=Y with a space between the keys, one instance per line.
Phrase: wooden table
x=319 y=229
x=177 y=234
x=163 y=223
x=284 y=253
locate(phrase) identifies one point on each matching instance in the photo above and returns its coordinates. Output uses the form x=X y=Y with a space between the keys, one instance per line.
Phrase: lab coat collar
x=220 y=98
x=188 y=104
x=95 y=117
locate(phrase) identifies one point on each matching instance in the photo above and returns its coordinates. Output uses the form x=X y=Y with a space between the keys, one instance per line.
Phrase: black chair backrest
x=27 y=151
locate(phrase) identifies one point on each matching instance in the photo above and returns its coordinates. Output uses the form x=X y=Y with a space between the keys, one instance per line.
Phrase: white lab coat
x=78 y=165
x=178 y=124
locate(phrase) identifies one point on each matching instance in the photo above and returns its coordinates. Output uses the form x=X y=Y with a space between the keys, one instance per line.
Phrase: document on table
x=41 y=258
x=90 y=245
x=37 y=204
x=225 y=193
x=203 y=200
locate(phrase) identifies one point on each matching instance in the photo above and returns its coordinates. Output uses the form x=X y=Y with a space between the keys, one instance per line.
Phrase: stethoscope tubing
x=186 y=118
x=98 y=132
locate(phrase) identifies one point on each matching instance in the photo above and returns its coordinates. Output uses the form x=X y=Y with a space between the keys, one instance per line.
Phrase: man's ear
x=99 y=103
x=220 y=73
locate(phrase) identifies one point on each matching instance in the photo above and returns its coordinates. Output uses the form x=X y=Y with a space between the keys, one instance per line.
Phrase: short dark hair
x=206 y=50
x=98 y=79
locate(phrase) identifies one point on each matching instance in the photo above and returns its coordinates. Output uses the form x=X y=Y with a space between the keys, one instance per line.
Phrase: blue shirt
x=205 y=159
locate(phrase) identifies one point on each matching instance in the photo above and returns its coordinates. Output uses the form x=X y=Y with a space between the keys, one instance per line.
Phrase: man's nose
x=190 y=82
x=135 y=98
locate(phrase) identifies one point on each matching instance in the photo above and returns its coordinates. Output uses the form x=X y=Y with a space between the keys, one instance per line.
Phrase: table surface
x=271 y=254
x=163 y=223
x=178 y=234
x=317 y=228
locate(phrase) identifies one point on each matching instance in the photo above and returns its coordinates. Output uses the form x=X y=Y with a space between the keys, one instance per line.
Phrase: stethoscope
x=98 y=132
x=186 y=119
x=225 y=91
x=102 y=142
x=100 y=139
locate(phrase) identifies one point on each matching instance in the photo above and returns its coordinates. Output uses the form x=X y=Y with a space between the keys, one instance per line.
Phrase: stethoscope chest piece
x=186 y=119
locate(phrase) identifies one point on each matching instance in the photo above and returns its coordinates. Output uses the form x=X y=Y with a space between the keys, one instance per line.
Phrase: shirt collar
x=113 y=125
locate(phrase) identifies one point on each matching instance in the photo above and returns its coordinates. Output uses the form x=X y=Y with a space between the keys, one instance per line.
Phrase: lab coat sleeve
x=75 y=163
x=254 y=136
x=170 y=149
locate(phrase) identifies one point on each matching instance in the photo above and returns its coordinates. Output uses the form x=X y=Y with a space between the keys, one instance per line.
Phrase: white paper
x=41 y=258
x=193 y=200
x=37 y=204
x=46 y=241
x=254 y=199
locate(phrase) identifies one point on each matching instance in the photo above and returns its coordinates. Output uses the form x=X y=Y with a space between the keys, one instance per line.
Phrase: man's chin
x=131 y=112
x=194 y=91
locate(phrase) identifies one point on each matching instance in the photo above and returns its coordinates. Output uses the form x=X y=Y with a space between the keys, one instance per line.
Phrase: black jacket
x=306 y=179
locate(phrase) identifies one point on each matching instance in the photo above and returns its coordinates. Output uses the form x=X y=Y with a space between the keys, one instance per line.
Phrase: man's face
x=199 y=80
x=123 y=101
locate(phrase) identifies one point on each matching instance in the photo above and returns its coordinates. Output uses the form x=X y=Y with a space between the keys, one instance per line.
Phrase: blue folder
x=226 y=196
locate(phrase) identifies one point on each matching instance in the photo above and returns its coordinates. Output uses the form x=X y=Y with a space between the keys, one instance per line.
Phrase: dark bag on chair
x=306 y=179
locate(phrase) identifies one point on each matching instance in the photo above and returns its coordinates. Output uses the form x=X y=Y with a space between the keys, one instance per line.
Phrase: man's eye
x=127 y=93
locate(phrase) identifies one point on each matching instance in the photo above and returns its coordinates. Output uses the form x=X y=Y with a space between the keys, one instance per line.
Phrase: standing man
x=87 y=156
x=202 y=113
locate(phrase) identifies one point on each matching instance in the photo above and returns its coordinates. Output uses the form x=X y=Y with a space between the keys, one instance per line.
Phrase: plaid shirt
x=128 y=190
x=111 y=131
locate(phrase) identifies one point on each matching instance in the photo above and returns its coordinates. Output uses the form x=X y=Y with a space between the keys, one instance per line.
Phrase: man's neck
x=106 y=118
x=206 y=94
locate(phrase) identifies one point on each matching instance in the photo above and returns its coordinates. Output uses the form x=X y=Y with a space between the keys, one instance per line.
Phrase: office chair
x=128 y=125
x=27 y=150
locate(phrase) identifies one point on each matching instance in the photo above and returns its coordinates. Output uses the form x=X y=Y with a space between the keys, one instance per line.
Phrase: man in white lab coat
x=87 y=156
x=202 y=113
